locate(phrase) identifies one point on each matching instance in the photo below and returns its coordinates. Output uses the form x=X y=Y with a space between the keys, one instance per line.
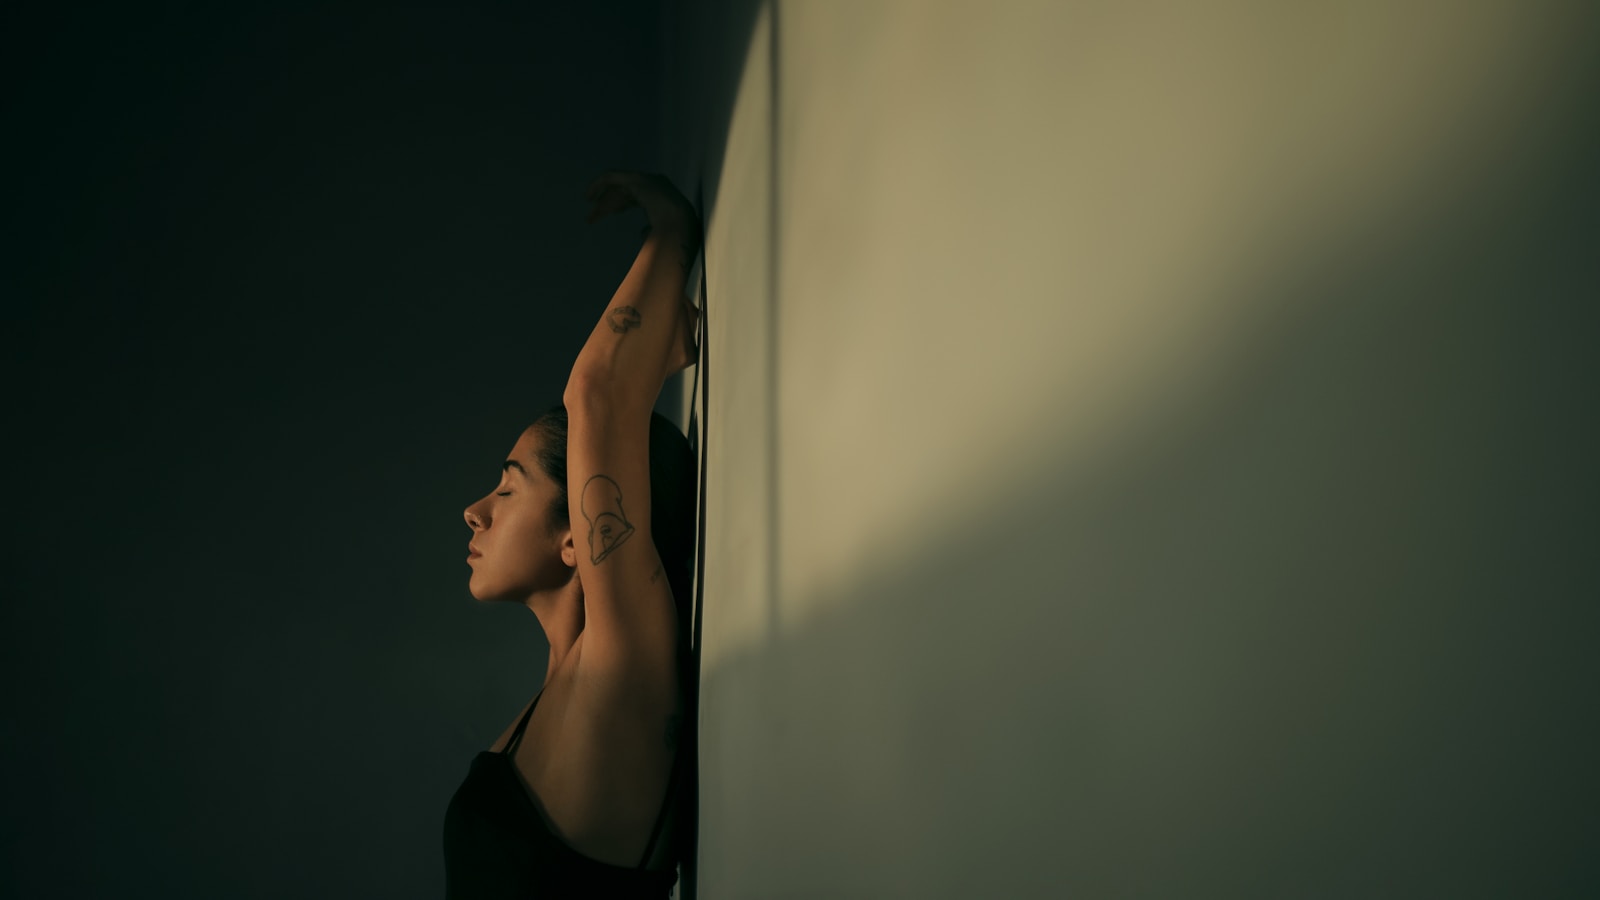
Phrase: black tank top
x=496 y=847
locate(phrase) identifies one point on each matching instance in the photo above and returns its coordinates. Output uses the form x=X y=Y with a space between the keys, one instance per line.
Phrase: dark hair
x=672 y=499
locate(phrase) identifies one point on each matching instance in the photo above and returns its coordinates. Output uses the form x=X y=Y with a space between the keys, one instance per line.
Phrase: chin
x=487 y=594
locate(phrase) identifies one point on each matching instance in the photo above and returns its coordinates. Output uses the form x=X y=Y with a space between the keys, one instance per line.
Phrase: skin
x=527 y=558
x=597 y=772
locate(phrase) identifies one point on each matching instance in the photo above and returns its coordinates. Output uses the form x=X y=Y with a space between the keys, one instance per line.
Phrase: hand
x=663 y=204
x=686 y=348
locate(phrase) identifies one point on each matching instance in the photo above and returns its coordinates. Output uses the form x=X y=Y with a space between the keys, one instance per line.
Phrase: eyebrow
x=513 y=464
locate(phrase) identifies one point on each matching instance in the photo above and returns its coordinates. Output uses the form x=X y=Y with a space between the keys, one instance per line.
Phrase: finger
x=615 y=177
x=621 y=179
x=610 y=201
x=615 y=198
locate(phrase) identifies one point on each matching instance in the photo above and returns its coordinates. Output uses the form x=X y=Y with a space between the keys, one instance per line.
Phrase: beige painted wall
x=1139 y=447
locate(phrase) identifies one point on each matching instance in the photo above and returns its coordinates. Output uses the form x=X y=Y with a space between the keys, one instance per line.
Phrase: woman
x=592 y=528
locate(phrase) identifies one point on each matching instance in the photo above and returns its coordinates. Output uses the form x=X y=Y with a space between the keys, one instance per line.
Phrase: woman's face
x=522 y=552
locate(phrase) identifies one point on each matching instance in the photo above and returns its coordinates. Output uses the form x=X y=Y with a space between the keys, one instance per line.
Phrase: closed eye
x=502 y=493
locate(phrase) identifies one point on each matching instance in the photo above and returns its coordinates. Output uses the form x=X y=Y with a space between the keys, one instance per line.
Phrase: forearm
x=637 y=343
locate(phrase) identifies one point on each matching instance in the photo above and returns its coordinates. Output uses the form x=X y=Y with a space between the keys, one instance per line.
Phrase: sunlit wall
x=1149 y=447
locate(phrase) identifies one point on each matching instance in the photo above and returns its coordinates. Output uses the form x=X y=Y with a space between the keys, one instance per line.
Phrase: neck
x=560 y=614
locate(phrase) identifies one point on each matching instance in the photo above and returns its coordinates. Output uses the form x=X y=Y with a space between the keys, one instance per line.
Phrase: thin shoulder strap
x=516 y=736
x=672 y=783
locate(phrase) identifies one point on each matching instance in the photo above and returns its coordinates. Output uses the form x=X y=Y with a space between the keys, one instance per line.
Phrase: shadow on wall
x=1323 y=635
x=705 y=56
x=1318 y=630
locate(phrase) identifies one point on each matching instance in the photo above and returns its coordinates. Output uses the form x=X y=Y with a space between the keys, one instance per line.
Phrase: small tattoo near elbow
x=623 y=319
x=609 y=527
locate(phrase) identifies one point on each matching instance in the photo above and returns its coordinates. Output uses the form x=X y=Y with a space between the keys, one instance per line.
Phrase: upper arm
x=628 y=607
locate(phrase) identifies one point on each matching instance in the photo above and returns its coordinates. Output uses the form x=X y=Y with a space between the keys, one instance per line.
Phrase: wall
x=1147 y=448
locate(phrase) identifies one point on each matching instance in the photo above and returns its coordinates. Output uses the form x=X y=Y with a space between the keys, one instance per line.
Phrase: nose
x=474 y=521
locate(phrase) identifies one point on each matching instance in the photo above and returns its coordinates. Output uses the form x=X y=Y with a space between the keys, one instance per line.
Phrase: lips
x=473 y=551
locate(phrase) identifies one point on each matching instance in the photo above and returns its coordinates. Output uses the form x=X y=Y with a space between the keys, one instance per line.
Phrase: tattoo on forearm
x=674 y=722
x=623 y=319
x=608 y=524
x=656 y=575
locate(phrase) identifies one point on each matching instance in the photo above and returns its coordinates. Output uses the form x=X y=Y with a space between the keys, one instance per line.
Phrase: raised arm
x=644 y=336
x=647 y=332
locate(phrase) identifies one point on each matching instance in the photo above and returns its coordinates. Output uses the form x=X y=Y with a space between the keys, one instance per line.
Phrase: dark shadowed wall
x=282 y=286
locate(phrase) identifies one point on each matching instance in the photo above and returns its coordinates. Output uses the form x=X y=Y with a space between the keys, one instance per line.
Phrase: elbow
x=591 y=389
x=585 y=387
x=590 y=392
